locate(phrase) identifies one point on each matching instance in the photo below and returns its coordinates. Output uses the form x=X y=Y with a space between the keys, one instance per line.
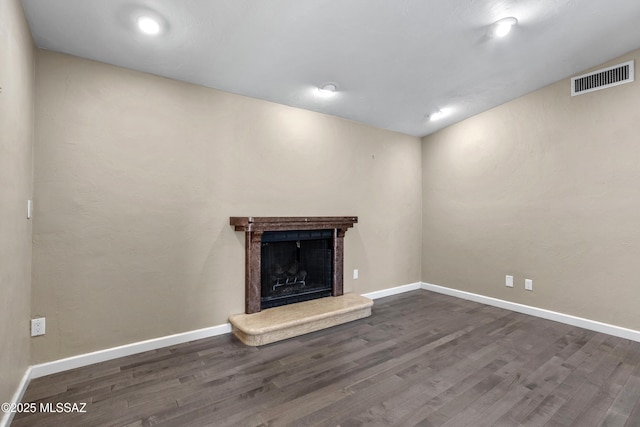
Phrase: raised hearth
x=279 y=323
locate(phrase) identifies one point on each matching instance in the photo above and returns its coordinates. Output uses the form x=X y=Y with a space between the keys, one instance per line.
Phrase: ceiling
x=394 y=62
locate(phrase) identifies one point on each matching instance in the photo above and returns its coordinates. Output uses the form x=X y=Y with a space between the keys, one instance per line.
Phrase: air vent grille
x=602 y=79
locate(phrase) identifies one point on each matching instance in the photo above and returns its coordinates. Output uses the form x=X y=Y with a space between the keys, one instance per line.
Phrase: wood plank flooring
x=421 y=359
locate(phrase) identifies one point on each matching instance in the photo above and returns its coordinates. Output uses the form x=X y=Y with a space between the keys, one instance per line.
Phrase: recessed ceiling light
x=327 y=89
x=437 y=115
x=148 y=25
x=502 y=27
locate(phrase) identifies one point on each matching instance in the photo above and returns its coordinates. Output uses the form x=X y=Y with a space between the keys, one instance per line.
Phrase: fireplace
x=292 y=259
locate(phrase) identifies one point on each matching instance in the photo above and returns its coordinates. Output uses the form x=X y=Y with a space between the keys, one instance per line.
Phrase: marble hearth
x=287 y=321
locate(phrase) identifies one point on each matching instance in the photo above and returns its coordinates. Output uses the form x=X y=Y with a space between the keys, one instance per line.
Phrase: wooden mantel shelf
x=255 y=226
x=271 y=223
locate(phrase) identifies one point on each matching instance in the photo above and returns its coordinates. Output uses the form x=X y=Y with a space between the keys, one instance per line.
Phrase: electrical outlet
x=509 y=281
x=528 y=284
x=355 y=273
x=37 y=326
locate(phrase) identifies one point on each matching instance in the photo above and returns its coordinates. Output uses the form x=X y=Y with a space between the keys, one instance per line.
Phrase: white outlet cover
x=38 y=326
x=355 y=273
x=509 y=281
x=528 y=284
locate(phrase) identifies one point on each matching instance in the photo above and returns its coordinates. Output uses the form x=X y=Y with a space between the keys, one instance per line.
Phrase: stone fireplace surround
x=258 y=327
x=254 y=227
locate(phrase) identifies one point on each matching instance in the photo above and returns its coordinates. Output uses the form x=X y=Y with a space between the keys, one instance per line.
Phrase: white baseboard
x=568 y=319
x=17 y=397
x=393 y=291
x=53 y=367
x=61 y=365
x=125 y=350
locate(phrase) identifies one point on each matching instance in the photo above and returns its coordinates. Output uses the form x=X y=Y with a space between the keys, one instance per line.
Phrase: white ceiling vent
x=602 y=79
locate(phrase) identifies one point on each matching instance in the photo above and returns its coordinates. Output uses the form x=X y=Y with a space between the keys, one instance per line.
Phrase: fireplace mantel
x=275 y=223
x=254 y=227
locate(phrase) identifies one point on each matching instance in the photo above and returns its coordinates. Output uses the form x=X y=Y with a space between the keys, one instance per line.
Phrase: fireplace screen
x=295 y=266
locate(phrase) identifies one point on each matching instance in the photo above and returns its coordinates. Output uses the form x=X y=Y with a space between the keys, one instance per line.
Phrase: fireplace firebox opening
x=295 y=266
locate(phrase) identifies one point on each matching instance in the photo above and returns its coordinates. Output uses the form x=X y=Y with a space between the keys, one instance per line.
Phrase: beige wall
x=16 y=160
x=136 y=177
x=545 y=187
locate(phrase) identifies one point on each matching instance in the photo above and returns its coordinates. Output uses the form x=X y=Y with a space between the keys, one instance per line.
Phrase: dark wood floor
x=420 y=359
